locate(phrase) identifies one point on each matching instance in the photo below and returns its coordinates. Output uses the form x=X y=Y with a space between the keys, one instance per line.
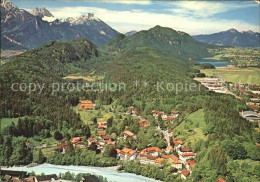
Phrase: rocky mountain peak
x=232 y=30
x=7 y=5
x=41 y=12
x=83 y=19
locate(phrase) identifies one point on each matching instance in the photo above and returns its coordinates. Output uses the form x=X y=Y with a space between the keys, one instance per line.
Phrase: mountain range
x=232 y=37
x=21 y=29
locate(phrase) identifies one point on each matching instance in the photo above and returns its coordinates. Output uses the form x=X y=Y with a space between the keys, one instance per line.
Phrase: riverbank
x=108 y=172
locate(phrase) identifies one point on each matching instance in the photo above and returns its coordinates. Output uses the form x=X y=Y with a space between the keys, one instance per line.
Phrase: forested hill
x=167 y=40
x=44 y=65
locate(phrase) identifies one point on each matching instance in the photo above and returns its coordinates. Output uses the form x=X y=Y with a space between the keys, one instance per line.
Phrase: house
x=170 y=119
x=108 y=137
x=177 y=144
x=190 y=164
x=128 y=134
x=155 y=113
x=62 y=147
x=127 y=154
x=174 y=113
x=104 y=123
x=86 y=105
x=90 y=178
x=186 y=156
x=78 y=142
x=159 y=161
x=91 y=140
x=164 y=116
x=101 y=127
x=177 y=164
x=147 y=159
x=109 y=142
x=221 y=180
x=101 y=133
x=154 y=151
x=169 y=149
x=184 y=150
x=46 y=178
x=28 y=145
x=144 y=123
x=171 y=157
x=85 y=101
x=185 y=173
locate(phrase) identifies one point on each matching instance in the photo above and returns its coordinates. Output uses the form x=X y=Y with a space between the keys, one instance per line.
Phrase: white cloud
x=141 y=2
x=124 y=21
x=206 y=9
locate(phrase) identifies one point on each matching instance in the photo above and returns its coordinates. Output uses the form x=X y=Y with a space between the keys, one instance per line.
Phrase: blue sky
x=193 y=17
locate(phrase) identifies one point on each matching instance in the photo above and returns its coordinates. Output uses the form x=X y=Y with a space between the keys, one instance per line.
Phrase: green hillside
x=167 y=40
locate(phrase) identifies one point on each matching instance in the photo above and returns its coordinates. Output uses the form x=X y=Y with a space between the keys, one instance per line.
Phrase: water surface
x=110 y=174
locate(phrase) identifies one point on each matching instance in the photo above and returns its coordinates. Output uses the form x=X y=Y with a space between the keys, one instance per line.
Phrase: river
x=216 y=64
x=110 y=174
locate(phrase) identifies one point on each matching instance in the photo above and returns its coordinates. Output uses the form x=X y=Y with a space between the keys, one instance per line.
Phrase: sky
x=193 y=17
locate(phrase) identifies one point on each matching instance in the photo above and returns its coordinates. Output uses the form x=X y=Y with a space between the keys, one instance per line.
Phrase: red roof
x=27 y=144
x=169 y=118
x=191 y=163
x=150 y=157
x=101 y=133
x=107 y=137
x=174 y=157
x=170 y=130
x=76 y=139
x=159 y=160
x=101 y=126
x=86 y=106
x=129 y=133
x=127 y=151
x=177 y=142
x=151 y=149
x=175 y=112
x=188 y=154
x=185 y=149
x=185 y=172
x=177 y=162
x=85 y=101
x=143 y=123
x=221 y=180
x=169 y=147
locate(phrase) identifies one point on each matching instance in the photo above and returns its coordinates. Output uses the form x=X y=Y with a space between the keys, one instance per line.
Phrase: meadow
x=235 y=75
x=191 y=129
x=7 y=121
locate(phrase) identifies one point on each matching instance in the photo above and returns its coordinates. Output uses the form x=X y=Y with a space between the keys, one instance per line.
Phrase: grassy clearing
x=90 y=77
x=7 y=121
x=236 y=75
x=190 y=130
x=102 y=115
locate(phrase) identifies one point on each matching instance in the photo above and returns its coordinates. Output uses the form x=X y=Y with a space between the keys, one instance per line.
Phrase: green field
x=102 y=115
x=6 y=121
x=190 y=130
x=236 y=75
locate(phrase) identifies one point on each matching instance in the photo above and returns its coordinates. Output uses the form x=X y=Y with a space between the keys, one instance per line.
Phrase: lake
x=110 y=174
x=216 y=64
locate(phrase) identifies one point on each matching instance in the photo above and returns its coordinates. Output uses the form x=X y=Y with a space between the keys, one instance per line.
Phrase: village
x=176 y=154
